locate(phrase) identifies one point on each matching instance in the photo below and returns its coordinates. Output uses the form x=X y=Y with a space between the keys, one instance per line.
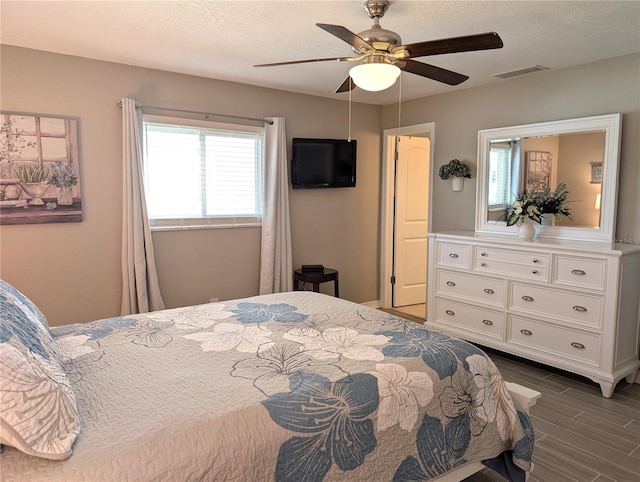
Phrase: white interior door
x=410 y=225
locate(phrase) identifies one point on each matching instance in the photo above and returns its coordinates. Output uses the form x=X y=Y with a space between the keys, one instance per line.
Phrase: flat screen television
x=322 y=163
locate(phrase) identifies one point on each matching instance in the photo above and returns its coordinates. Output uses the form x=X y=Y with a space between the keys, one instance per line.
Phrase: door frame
x=387 y=195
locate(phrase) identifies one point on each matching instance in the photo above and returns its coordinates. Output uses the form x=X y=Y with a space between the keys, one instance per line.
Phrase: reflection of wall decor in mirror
x=596 y=172
x=39 y=167
x=503 y=171
x=538 y=170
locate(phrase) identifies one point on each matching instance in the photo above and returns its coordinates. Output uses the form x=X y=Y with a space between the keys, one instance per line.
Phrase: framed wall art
x=39 y=169
x=596 y=173
x=539 y=166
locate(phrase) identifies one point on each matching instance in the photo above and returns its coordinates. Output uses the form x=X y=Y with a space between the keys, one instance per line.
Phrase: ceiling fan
x=381 y=51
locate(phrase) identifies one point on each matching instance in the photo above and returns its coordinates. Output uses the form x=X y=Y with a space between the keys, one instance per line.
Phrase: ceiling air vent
x=525 y=70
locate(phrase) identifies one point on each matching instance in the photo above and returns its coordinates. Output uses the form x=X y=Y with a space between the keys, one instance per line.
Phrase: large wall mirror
x=581 y=153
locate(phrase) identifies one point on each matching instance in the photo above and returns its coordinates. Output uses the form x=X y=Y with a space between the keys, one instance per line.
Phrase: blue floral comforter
x=290 y=387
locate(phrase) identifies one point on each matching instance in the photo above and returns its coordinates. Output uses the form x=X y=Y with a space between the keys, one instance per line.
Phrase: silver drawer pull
x=535 y=260
x=453 y=255
x=449 y=312
x=526 y=332
x=488 y=291
x=577 y=345
x=487 y=322
x=578 y=272
x=483 y=264
x=527 y=298
x=483 y=254
x=579 y=308
x=450 y=283
x=535 y=271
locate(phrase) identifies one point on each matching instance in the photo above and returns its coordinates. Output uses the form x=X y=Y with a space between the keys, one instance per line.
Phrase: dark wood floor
x=580 y=435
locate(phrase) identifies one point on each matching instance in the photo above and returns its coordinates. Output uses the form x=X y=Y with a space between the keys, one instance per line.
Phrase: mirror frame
x=610 y=123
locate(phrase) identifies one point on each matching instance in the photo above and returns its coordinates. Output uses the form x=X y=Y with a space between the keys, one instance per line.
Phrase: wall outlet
x=213 y=300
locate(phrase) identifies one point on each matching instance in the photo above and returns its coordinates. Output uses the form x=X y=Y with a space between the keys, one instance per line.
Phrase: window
x=201 y=173
x=499 y=176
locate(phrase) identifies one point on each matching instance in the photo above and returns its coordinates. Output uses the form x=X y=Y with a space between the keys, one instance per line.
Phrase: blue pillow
x=32 y=382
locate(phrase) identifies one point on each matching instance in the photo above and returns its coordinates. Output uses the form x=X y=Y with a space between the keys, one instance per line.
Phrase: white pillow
x=38 y=412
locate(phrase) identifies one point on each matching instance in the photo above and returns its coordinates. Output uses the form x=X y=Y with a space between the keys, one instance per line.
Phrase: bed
x=288 y=387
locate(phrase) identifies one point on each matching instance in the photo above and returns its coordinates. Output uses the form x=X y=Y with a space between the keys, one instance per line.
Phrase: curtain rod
x=206 y=114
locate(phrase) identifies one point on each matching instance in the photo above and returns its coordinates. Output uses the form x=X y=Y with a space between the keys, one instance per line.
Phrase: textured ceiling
x=224 y=39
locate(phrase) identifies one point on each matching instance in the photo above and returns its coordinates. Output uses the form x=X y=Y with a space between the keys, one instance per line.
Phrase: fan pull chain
x=350 y=89
x=399 y=99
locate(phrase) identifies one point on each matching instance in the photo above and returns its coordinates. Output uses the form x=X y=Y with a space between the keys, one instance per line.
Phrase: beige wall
x=72 y=271
x=604 y=87
x=582 y=149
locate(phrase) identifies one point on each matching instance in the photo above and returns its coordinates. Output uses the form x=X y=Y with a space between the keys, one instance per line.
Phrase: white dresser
x=569 y=304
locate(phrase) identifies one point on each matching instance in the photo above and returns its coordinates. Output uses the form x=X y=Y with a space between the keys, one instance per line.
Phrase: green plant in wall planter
x=457 y=171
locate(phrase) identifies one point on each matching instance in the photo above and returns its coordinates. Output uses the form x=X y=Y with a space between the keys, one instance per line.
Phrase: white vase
x=547 y=220
x=526 y=230
x=457 y=183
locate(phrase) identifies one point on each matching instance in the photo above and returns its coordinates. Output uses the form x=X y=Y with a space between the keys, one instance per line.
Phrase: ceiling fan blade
x=334 y=59
x=467 y=43
x=346 y=86
x=432 y=72
x=346 y=35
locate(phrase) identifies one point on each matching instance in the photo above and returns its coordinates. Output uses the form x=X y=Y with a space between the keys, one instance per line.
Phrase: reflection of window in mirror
x=503 y=176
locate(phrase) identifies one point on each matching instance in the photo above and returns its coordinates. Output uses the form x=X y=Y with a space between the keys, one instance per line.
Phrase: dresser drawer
x=471 y=318
x=580 y=308
x=585 y=272
x=559 y=341
x=486 y=290
x=533 y=259
x=451 y=254
x=507 y=269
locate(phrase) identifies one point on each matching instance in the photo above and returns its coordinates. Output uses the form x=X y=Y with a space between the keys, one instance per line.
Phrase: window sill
x=205 y=226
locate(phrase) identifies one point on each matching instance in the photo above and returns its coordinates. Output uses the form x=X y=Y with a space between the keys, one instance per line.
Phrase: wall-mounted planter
x=455 y=170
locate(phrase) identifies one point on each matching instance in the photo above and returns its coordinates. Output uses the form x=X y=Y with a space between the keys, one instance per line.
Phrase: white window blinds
x=499 y=177
x=202 y=175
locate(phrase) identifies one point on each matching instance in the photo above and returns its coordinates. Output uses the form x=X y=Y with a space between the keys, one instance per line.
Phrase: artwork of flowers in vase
x=39 y=169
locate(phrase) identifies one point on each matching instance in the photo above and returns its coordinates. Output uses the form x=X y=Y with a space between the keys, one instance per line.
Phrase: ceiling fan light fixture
x=374 y=77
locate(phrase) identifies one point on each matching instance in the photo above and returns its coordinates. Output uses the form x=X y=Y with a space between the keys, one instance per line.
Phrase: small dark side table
x=315 y=278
